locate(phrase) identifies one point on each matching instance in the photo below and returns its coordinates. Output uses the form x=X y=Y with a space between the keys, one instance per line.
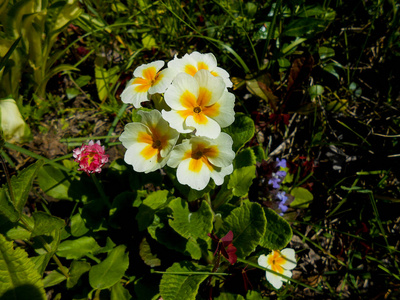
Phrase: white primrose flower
x=149 y=142
x=199 y=103
x=281 y=262
x=191 y=63
x=199 y=159
x=148 y=80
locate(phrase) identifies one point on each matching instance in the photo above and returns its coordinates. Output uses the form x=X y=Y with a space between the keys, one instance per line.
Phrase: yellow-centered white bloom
x=149 y=142
x=281 y=262
x=199 y=159
x=148 y=80
x=191 y=63
x=199 y=103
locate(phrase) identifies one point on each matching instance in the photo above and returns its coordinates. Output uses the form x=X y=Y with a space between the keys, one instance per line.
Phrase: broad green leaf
x=178 y=287
x=18 y=276
x=244 y=158
x=248 y=224
x=55 y=277
x=191 y=224
x=45 y=224
x=194 y=226
x=278 y=232
x=111 y=270
x=325 y=52
x=41 y=262
x=118 y=292
x=315 y=90
x=302 y=197
x=241 y=179
x=54 y=182
x=78 y=225
x=150 y=205
x=253 y=295
x=76 y=270
x=8 y=212
x=75 y=249
x=241 y=131
x=147 y=256
x=149 y=42
x=229 y=296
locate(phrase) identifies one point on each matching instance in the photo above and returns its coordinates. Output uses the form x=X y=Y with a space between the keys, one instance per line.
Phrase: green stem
x=101 y=191
x=190 y=273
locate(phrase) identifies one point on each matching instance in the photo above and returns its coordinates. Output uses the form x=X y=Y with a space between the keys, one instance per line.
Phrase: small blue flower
x=281 y=174
x=281 y=163
x=281 y=196
x=275 y=181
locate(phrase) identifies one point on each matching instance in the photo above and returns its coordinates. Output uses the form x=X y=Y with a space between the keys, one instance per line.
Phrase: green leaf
x=18 y=276
x=45 y=224
x=315 y=90
x=230 y=296
x=325 y=52
x=193 y=226
x=147 y=256
x=77 y=269
x=302 y=197
x=105 y=79
x=248 y=224
x=178 y=287
x=244 y=158
x=150 y=205
x=111 y=270
x=54 y=278
x=75 y=249
x=118 y=292
x=8 y=212
x=304 y=27
x=278 y=232
x=78 y=225
x=241 y=131
x=241 y=179
x=54 y=182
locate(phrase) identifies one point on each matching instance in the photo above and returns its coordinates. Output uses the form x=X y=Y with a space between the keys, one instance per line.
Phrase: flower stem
x=101 y=190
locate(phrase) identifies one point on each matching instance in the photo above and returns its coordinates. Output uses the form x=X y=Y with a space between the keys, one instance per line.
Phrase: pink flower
x=91 y=157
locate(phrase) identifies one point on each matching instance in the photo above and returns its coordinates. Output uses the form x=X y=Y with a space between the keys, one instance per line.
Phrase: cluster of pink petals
x=91 y=157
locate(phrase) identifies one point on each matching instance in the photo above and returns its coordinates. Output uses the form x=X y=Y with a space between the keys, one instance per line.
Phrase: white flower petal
x=290 y=256
x=205 y=61
x=214 y=85
x=139 y=71
x=197 y=178
x=178 y=153
x=183 y=86
x=218 y=174
x=224 y=114
x=225 y=153
x=262 y=261
x=224 y=74
x=133 y=157
x=164 y=81
x=208 y=127
x=176 y=121
x=131 y=133
x=275 y=280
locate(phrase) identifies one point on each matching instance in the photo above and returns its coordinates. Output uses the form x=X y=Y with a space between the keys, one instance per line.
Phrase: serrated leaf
x=248 y=224
x=111 y=270
x=76 y=270
x=241 y=179
x=278 y=232
x=18 y=275
x=191 y=224
x=75 y=249
x=302 y=197
x=245 y=158
x=178 y=287
x=45 y=224
x=194 y=226
x=241 y=131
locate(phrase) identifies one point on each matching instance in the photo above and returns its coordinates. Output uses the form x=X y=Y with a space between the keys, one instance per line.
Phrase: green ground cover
x=310 y=157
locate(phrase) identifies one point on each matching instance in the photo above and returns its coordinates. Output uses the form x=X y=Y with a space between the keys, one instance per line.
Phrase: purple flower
x=281 y=196
x=275 y=181
x=281 y=174
x=281 y=163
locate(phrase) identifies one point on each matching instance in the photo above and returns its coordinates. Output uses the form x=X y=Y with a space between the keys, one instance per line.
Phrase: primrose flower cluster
x=199 y=105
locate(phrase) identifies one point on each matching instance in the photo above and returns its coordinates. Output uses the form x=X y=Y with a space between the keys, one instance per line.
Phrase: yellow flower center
x=197 y=109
